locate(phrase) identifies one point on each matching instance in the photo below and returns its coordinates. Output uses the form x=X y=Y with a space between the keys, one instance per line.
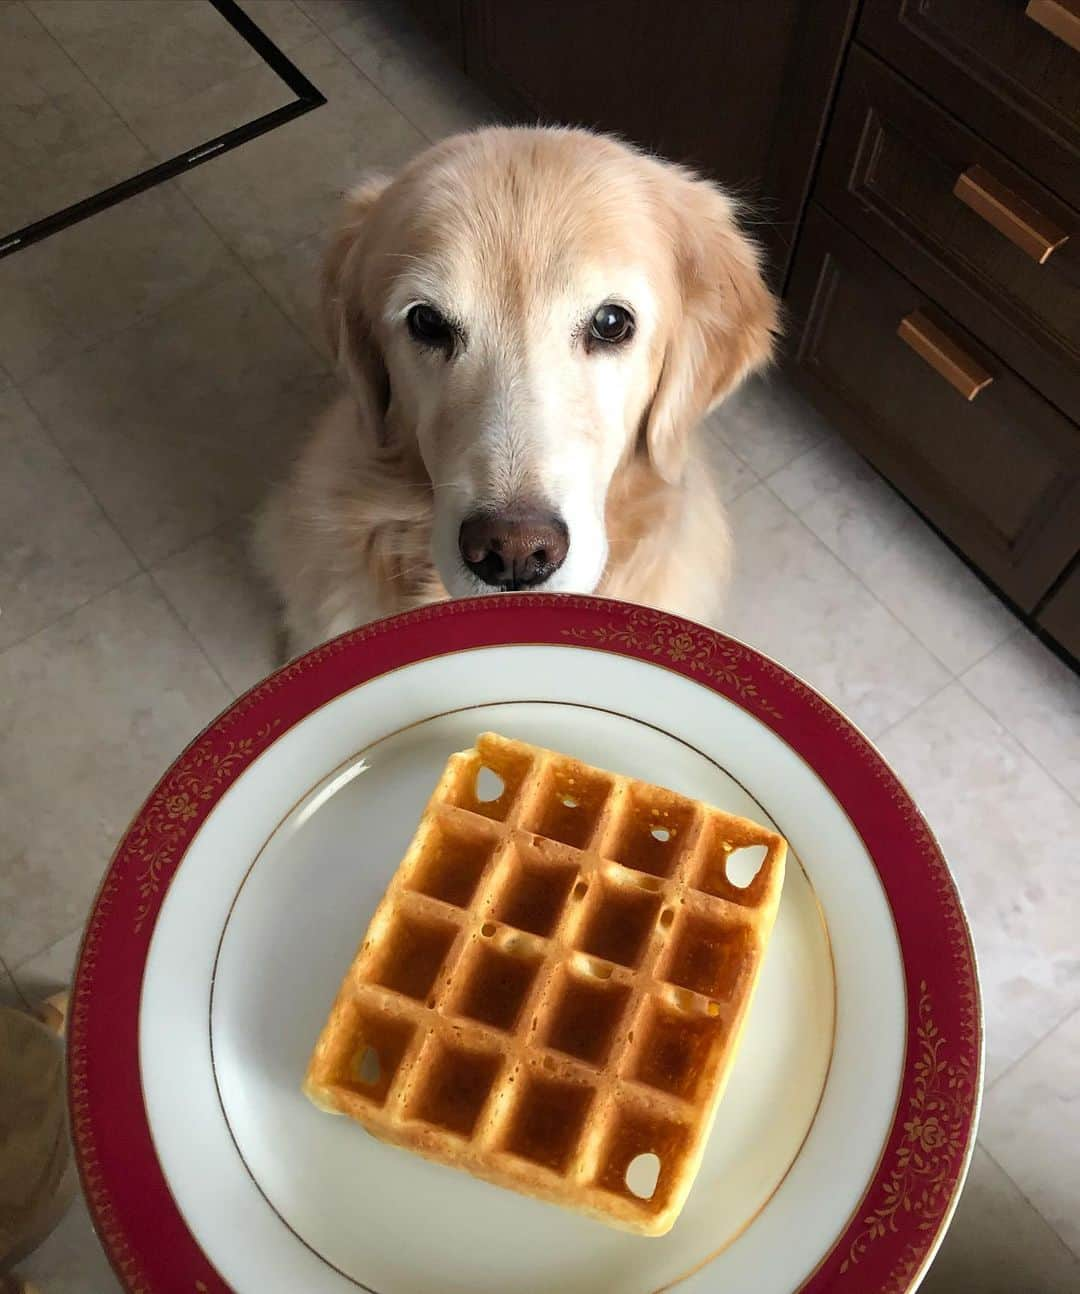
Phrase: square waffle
x=551 y=992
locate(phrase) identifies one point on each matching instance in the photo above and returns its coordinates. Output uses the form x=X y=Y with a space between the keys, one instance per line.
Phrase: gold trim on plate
x=917 y=1182
x=359 y=754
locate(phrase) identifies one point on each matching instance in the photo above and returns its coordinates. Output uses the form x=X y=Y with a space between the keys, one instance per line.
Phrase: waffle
x=552 y=990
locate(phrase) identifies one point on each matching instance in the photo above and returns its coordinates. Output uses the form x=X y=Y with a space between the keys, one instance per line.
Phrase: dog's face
x=524 y=311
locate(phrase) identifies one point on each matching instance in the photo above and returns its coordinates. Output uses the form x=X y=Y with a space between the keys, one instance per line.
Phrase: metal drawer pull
x=943 y=355
x=1008 y=213
x=1061 y=18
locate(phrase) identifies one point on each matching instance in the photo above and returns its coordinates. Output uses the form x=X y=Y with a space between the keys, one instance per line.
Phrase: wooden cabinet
x=948 y=195
x=997 y=68
x=442 y=19
x=997 y=249
x=999 y=474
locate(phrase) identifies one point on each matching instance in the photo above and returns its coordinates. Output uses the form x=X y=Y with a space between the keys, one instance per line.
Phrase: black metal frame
x=307 y=97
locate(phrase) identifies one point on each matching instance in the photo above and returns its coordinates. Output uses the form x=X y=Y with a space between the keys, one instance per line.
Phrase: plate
x=241 y=890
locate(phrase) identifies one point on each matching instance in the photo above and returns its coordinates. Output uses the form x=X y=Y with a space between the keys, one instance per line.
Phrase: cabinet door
x=997 y=472
x=736 y=88
x=441 y=19
x=997 y=68
x=894 y=171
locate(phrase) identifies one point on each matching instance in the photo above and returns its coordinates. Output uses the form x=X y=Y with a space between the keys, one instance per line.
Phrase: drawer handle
x=1061 y=18
x=1008 y=213
x=943 y=355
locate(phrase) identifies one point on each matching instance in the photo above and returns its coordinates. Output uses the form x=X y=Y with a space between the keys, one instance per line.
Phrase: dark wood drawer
x=1060 y=617
x=997 y=69
x=923 y=190
x=999 y=474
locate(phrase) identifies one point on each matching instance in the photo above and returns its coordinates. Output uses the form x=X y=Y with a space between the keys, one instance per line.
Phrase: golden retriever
x=530 y=323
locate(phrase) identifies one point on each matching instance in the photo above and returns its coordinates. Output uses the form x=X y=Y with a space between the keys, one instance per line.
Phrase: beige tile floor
x=156 y=364
x=93 y=91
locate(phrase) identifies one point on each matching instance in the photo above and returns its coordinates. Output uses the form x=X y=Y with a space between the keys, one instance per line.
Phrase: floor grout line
x=230 y=691
x=71 y=611
x=733 y=498
x=913 y=632
x=1027 y=1199
x=959 y=678
x=385 y=94
x=67 y=54
x=932 y=696
x=876 y=737
x=240 y=262
x=204 y=285
x=210 y=280
x=1069 y=1014
x=50 y=436
x=803 y=453
x=1019 y=741
x=1013 y=633
x=172 y=103
x=888 y=611
x=142 y=573
x=377 y=88
x=23 y=962
x=190 y=633
x=766 y=477
x=6 y=973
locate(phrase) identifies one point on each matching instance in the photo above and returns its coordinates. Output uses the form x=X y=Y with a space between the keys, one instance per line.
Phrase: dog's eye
x=430 y=328
x=611 y=324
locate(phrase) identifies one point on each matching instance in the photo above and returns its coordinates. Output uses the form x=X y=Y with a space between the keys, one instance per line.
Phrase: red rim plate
x=897 y=1224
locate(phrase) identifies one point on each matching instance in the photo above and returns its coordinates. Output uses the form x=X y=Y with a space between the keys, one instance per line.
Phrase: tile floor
x=93 y=91
x=156 y=364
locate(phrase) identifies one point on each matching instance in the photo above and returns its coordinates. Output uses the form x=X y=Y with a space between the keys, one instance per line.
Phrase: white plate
x=278 y=882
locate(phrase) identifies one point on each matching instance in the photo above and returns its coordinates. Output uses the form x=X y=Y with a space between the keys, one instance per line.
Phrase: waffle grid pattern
x=554 y=983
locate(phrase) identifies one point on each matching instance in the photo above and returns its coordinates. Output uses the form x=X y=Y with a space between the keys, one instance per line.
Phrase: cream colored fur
x=520 y=234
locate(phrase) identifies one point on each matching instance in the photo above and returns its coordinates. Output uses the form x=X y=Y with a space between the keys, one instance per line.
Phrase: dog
x=530 y=323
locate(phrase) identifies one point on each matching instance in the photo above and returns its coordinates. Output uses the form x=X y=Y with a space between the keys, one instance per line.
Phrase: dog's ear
x=346 y=322
x=725 y=317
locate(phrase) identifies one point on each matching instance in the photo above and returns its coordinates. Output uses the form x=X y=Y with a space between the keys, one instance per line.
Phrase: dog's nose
x=513 y=550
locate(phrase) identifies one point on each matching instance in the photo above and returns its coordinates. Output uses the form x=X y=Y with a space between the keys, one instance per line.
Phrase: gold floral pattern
x=194 y=781
x=922 y=1178
x=694 y=647
x=927 y=1163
